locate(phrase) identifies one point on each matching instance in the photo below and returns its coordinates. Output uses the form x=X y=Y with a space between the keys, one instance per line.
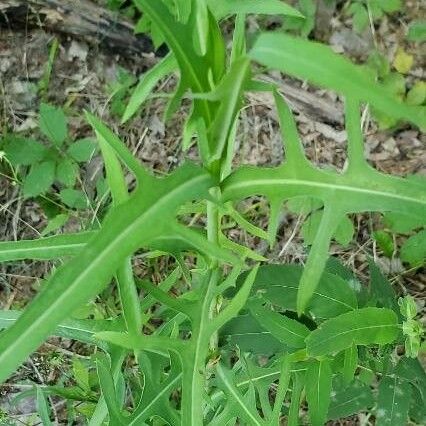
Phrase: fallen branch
x=86 y=20
x=77 y=18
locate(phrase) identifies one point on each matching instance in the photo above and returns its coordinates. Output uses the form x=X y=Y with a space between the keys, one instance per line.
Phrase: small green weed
x=54 y=160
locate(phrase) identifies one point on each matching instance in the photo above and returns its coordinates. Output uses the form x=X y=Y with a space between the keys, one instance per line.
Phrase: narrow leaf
x=147 y=83
x=118 y=146
x=108 y=389
x=318 y=256
x=350 y=363
x=294 y=56
x=42 y=407
x=318 y=391
x=365 y=326
x=221 y=8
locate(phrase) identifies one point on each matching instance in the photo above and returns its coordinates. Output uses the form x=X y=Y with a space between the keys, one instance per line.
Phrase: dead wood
x=86 y=20
x=77 y=18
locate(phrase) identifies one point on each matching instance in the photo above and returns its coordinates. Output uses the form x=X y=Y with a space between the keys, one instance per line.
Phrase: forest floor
x=87 y=77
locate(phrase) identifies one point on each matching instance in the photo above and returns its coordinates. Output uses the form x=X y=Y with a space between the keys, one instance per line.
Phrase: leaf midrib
x=352 y=330
x=99 y=261
x=194 y=74
x=299 y=182
x=157 y=397
x=238 y=399
x=317 y=294
x=286 y=329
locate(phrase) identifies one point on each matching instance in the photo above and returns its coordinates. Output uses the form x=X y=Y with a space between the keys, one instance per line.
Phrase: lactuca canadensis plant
x=318 y=331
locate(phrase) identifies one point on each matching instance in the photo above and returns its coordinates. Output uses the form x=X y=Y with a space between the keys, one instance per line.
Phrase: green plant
x=304 y=25
x=364 y=11
x=38 y=165
x=321 y=335
x=119 y=91
x=395 y=83
x=413 y=248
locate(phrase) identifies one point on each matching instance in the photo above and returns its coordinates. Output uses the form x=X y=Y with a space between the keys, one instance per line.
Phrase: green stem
x=194 y=364
x=293 y=415
x=129 y=298
x=194 y=358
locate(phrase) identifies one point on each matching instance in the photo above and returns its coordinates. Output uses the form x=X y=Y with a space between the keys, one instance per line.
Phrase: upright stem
x=213 y=229
x=194 y=359
x=213 y=218
x=194 y=364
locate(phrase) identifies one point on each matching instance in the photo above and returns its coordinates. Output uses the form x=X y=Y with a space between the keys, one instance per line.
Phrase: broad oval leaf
x=248 y=335
x=347 y=401
x=82 y=150
x=288 y=331
x=279 y=285
x=53 y=123
x=365 y=326
x=39 y=179
x=23 y=151
x=67 y=171
x=393 y=402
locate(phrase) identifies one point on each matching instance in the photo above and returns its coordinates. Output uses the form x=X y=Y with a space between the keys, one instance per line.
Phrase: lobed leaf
x=294 y=55
x=80 y=330
x=127 y=228
x=157 y=392
x=46 y=248
x=246 y=410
